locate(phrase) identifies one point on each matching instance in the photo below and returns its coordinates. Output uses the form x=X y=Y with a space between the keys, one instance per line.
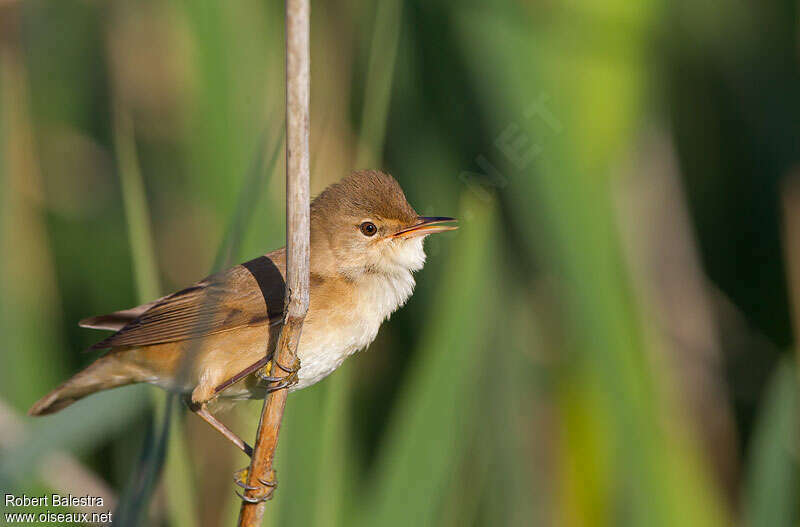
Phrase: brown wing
x=118 y=319
x=246 y=295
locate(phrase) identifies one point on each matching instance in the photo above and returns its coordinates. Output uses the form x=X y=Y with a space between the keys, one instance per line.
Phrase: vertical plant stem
x=297 y=253
x=181 y=508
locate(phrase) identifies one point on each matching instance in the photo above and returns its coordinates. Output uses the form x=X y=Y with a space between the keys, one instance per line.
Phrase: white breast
x=323 y=349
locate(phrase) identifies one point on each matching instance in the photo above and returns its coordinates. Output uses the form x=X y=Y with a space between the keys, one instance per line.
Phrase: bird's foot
x=265 y=490
x=281 y=382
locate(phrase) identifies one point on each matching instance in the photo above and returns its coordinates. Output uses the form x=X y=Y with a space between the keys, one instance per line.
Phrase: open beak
x=427 y=225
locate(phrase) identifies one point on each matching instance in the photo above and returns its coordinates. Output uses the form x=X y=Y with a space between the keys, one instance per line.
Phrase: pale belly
x=331 y=337
x=323 y=347
x=328 y=338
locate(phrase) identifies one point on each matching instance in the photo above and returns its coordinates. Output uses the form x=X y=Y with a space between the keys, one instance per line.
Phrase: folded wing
x=246 y=295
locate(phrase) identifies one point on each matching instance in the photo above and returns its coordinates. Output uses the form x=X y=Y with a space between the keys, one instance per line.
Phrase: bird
x=212 y=341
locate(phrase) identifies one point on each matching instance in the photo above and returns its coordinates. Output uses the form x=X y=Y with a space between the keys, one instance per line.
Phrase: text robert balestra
x=53 y=500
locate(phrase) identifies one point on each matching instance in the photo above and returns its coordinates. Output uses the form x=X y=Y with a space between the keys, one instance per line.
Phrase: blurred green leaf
x=137 y=213
x=425 y=438
x=79 y=428
x=337 y=461
x=537 y=104
x=29 y=311
x=620 y=464
x=378 y=82
x=772 y=482
x=168 y=443
x=132 y=508
x=251 y=194
x=237 y=45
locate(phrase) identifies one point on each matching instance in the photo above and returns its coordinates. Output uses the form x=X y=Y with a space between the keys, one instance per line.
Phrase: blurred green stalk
x=426 y=437
x=30 y=315
x=378 y=83
x=181 y=493
x=773 y=475
x=568 y=104
x=337 y=461
x=137 y=214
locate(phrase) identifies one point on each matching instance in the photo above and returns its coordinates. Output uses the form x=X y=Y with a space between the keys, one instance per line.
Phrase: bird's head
x=364 y=224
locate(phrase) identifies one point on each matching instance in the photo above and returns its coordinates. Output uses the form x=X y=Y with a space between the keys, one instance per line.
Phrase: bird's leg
x=240 y=476
x=242 y=374
x=282 y=382
x=202 y=411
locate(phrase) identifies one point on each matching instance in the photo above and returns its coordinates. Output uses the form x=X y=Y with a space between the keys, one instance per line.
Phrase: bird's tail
x=104 y=373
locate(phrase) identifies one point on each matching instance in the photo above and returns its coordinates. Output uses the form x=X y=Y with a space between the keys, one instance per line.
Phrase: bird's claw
x=240 y=478
x=266 y=489
x=294 y=369
x=264 y=372
x=282 y=382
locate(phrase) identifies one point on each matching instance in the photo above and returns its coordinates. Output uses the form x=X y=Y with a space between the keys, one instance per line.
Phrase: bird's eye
x=368 y=228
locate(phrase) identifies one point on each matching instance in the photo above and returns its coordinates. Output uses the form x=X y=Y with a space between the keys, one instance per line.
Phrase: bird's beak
x=426 y=225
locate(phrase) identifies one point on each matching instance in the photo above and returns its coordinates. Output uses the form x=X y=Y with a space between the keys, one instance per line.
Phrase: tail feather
x=103 y=374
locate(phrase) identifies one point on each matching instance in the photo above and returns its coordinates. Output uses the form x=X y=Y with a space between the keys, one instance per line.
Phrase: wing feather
x=246 y=295
x=118 y=319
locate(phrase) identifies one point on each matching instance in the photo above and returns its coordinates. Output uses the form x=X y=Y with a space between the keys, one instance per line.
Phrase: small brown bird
x=211 y=339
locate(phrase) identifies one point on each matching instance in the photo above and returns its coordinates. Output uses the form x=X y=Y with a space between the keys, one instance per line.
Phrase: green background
x=607 y=340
